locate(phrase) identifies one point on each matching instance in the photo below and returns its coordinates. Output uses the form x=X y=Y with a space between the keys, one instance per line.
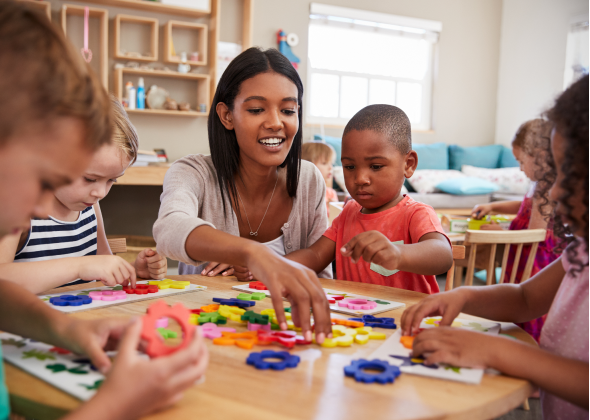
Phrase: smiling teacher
x=253 y=199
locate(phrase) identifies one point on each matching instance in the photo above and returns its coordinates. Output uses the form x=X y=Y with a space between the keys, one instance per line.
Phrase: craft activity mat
x=86 y=299
x=394 y=352
x=64 y=370
x=342 y=302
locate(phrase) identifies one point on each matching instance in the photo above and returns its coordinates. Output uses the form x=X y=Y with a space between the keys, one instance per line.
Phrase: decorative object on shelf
x=152 y=54
x=202 y=108
x=184 y=106
x=285 y=47
x=170 y=104
x=130 y=90
x=156 y=97
x=195 y=53
x=183 y=67
x=140 y=94
x=86 y=52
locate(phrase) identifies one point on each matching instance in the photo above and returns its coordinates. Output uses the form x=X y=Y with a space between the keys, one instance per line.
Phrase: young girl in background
x=559 y=366
x=71 y=244
x=532 y=148
x=322 y=156
x=58 y=116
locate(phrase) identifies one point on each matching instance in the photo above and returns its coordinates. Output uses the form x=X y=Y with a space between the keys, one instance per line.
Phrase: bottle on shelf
x=130 y=95
x=140 y=94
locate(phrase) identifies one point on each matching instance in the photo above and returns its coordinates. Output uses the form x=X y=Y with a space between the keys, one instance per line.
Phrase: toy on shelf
x=156 y=346
x=285 y=43
x=86 y=51
x=373 y=321
x=356 y=370
x=286 y=360
x=70 y=300
x=235 y=302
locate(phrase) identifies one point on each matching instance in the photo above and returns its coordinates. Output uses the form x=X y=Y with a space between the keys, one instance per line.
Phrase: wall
x=532 y=59
x=466 y=81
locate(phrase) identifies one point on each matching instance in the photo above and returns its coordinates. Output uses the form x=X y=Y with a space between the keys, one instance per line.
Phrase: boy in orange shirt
x=383 y=237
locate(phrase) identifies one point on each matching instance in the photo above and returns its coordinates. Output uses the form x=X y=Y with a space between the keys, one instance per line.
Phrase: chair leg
x=458 y=276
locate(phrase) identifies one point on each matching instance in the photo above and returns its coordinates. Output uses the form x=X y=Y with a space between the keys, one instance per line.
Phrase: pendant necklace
x=267 y=207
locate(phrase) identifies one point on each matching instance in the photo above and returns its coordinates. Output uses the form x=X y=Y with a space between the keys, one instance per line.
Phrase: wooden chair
x=506 y=238
x=118 y=245
x=458 y=254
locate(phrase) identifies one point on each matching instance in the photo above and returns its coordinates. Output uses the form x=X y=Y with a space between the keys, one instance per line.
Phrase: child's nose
x=362 y=178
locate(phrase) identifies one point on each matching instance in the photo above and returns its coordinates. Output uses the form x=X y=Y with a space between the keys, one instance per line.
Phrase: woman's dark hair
x=225 y=152
x=570 y=116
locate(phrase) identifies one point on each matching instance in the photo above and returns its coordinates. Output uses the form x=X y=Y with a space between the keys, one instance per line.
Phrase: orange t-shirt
x=408 y=221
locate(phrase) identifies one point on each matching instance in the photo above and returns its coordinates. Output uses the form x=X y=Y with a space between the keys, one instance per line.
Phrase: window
x=576 y=53
x=358 y=58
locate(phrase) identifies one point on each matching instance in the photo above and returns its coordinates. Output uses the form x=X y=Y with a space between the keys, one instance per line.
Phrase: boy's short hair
x=388 y=120
x=314 y=151
x=124 y=133
x=44 y=78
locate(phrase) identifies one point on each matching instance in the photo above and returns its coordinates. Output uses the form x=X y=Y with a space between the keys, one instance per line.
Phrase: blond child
x=70 y=246
x=322 y=156
x=383 y=237
x=559 y=365
x=58 y=118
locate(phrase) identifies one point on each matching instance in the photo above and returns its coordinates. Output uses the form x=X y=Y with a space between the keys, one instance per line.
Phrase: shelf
x=44 y=6
x=201 y=35
x=152 y=23
x=143 y=175
x=154 y=7
x=167 y=113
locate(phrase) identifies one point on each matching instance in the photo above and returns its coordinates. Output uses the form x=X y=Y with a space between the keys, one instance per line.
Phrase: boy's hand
x=373 y=247
x=481 y=210
x=109 y=269
x=456 y=347
x=447 y=304
x=136 y=386
x=151 y=265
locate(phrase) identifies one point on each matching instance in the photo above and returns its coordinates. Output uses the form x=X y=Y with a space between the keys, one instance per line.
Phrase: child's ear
x=410 y=163
x=225 y=115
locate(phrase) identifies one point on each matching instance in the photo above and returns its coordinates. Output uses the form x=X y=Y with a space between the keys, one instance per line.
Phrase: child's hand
x=243 y=273
x=151 y=265
x=456 y=347
x=373 y=247
x=491 y=226
x=136 y=386
x=214 y=268
x=447 y=304
x=109 y=269
x=481 y=210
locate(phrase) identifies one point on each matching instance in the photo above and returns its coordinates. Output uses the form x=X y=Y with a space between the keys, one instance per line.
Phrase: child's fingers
x=156 y=259
x=132 y=276
x=209 y=267
x=187 y=375
x=182 y=358
x=130 y=341
x=228 y=272
x=218 y=269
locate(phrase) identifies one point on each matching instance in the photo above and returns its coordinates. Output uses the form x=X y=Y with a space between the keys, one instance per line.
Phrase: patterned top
x=566 y=330
x=49 y=239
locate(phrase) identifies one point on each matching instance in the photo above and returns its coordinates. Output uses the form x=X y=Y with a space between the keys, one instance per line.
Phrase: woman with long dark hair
x=253 y=199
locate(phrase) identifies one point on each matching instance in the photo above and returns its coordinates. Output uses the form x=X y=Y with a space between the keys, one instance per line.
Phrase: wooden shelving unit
x=153 y=23
x=203 y=84
x=155 y=7
x=44 y=6
x=143 y=175
x=103 y=16
x=201 y=34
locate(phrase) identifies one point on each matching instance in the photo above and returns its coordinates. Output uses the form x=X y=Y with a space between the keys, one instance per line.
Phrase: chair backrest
x=507 y=237
x=118 y=245
x=458 y=254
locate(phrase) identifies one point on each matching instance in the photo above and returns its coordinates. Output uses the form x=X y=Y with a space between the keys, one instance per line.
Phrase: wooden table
x=316 y=389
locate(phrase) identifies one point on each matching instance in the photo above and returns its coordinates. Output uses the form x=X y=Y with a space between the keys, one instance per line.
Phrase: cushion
x=335 y=142
x=425 y=180
x=509 y=180
x=432 y=156
x=481 y=156
x=467 y=186
x=507 y=159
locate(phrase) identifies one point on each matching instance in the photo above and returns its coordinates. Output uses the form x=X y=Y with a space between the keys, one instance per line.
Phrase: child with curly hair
x=559 y=366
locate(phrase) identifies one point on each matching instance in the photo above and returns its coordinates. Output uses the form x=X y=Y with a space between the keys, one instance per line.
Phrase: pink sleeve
x=424 y=220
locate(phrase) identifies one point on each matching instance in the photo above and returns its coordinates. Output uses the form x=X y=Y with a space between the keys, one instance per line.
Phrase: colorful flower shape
x=365 y=334
x=140 y=289
x=258 y=285
x=244 y=340
x=231 y=312
x=258 y=327
x=374 y=322
x=351 y=322
x=210 y=308
x=356 y=369
x=213 y=317
x=156 y=346
x=235 y=302
x=357 y=304
x=108 y=295
x=70 y=300
x=286 y=360
x=285 y=338
x=170 y=284
x=212 y=331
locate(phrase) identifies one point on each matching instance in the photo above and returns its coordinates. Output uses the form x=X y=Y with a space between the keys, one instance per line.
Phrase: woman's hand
x=299 y=285
x=481 y=210
x=151 y=265
x=447 y=304
x=109 y=269
x=243 y=273
x=215 y=268
x=456 y=347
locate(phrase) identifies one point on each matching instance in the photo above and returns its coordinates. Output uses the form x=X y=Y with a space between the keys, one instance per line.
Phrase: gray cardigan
x=191 y=198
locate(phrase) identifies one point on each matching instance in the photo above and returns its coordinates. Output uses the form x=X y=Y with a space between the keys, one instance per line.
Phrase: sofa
x=452 y=176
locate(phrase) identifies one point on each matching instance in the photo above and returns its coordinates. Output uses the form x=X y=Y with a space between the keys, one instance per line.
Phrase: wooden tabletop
x=316 y=389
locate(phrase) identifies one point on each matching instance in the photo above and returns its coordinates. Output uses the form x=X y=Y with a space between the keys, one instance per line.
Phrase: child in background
x=532 y=148
x=71 y=244
x=58 y=116
x=559 y=366
x=383 y=237
x=322 y=156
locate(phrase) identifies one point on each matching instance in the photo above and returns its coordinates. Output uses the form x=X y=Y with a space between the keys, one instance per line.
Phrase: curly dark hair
x=570 y=116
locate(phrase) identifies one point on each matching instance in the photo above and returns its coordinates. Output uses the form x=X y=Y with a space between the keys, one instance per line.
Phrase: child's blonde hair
x=124 y=133
x=316 y=151
x=532 y=135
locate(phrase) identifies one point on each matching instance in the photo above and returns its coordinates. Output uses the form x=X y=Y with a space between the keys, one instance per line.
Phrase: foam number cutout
x=38 y=354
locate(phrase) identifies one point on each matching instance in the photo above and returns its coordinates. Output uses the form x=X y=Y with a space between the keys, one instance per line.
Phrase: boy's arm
x=430 y=256
x=317 y=257
x=102 y=245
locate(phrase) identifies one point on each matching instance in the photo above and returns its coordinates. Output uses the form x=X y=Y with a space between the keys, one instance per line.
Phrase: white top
x=277 y=245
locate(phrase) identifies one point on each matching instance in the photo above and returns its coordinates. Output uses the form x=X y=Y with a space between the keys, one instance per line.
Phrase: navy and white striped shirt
x=49 y=239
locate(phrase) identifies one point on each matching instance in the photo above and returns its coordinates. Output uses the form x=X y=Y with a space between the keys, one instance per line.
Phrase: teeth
x=271 y=142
